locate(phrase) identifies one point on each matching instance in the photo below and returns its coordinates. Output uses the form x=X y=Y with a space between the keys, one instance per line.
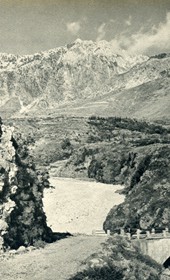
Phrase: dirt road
x=57 y=261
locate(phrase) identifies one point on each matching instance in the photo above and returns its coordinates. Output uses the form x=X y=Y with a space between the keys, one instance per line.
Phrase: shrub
x=119 y=260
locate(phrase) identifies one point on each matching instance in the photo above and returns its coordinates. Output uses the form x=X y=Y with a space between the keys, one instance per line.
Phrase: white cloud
x=128 y=22
x=101 y=32
x=73 y=27
x=156 y=39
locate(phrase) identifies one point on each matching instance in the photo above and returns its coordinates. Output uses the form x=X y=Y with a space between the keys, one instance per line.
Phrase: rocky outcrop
x=147 y=202
x=22 y=220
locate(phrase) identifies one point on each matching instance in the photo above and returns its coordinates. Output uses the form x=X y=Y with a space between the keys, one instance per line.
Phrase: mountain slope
x=150 y=100
x=83 y=70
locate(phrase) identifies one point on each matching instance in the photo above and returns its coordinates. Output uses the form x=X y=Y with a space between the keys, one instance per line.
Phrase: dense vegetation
x=119 y=259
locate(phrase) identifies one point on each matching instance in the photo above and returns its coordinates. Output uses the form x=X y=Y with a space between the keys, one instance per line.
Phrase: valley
x=111 y=150
x=85 y=145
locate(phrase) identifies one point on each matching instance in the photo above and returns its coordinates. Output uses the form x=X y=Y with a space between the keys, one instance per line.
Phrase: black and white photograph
x=85 y=139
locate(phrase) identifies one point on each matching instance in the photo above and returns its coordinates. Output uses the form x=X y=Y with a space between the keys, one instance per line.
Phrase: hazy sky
x=139 y=26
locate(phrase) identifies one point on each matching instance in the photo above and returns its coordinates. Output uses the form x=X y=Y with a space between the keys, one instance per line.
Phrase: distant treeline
x=127 y=123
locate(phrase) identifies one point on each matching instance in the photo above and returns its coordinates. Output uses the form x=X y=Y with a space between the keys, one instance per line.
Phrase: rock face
x=147 y=203
x=22 y=220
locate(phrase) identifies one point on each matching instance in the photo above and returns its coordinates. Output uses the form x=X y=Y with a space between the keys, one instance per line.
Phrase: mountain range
x=85 y=78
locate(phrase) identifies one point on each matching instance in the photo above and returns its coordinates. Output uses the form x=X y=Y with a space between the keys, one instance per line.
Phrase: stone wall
x=22 y=220
x=157 y=249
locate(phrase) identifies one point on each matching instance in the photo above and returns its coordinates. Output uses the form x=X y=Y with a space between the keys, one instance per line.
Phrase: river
x=79 y=206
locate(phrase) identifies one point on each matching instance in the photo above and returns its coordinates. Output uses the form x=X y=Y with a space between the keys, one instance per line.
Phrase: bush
x=102 y=273
x=65 y=143
x=119 y=259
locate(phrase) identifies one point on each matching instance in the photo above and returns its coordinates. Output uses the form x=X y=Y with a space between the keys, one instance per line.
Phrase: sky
x=136 y=26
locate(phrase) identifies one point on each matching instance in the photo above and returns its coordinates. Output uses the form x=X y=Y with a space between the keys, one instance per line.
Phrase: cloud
x=73 y=27
x=128 y=22
x=101 y=32
x=154 y=40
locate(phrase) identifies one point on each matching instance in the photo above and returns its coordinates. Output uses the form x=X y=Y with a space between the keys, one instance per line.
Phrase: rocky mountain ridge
x=83 y=70
x=73 y=53
x=79 y=71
